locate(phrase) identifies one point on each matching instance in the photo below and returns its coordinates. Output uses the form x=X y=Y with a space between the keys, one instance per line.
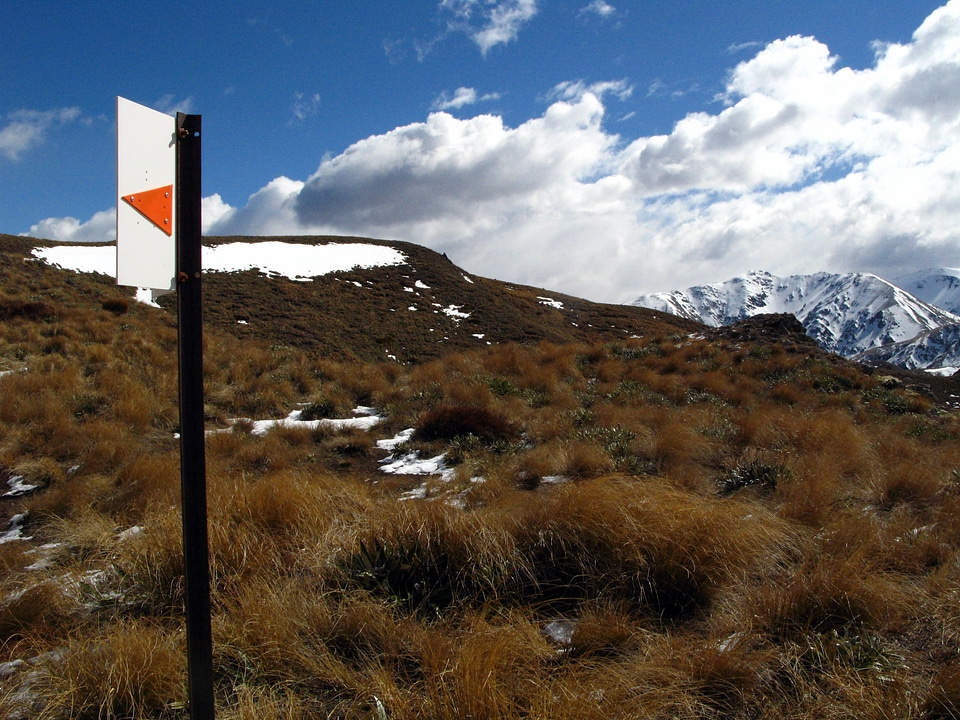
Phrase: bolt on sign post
x=158 y=247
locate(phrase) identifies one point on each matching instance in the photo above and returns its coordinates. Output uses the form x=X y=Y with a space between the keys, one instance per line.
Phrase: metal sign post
x=193 y=476
x=158 y=246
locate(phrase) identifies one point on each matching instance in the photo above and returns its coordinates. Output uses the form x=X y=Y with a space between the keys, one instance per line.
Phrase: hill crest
x=418 y=307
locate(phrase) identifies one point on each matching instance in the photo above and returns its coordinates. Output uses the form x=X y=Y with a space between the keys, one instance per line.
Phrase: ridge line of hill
x=419 y=310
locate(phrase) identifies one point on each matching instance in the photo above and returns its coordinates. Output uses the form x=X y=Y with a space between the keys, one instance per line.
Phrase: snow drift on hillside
x=296 y=261
x=81 y=258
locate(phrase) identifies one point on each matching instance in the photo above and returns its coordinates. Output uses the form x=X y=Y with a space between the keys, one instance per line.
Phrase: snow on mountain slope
x=937 y=286
x=845 y=313
x=936 y=351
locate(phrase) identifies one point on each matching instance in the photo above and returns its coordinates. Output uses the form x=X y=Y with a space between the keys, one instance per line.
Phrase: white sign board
x=146 y=197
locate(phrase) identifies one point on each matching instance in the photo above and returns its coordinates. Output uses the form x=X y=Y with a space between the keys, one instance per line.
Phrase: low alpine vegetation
x=661 y=526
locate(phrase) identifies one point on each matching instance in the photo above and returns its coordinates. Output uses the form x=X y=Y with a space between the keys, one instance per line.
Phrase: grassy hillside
x=365 y=315
x=659 y=526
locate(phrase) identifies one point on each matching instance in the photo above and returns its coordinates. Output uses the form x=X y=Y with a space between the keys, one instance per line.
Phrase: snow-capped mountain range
x=939 y=287
x=856 y=315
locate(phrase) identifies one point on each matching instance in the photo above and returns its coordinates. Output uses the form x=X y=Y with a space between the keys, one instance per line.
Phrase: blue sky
x=598 y=147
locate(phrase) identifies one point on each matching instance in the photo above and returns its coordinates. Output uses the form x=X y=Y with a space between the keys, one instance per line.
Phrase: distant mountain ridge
x=850 y=314
x=935 y=351
x=937 y=286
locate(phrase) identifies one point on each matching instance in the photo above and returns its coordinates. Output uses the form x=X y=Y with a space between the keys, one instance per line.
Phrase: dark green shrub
x=753 y=473
x=118 y=306
x=447 y=422
x=406 y=574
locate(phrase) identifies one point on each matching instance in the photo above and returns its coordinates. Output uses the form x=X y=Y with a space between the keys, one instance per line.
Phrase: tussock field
x=659 y=527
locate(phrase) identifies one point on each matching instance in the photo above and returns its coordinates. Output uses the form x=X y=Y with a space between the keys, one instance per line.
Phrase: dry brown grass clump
x=131 y=669
x=666 y=552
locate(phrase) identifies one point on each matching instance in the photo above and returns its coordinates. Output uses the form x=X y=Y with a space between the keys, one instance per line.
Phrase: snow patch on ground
x=295 y=261
x=550 y=302
x=455 y=312
x=15 y=529
x=19 y=487
x=365 y=419
x=560 y=631
x=130 y=532
x=412 y=464
x=390 y=444
x=45 y=559
x=147 y=297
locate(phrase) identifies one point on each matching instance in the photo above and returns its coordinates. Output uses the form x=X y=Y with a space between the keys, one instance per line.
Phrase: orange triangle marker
x=155 y=205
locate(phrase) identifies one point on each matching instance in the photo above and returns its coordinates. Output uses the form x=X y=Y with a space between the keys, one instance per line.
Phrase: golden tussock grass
x=641 y=542
x=491 y=671
x=810 y=492
x=724 y=531
x=678 y=443
x=428 y=557
x=830 y=596
x=73 y=497
x=544 y=460
x=605 y=630
x=585 y=459
x=147 y=566
x=145 y=481
x=37 y=610
x=132 y=669
x=259 y=702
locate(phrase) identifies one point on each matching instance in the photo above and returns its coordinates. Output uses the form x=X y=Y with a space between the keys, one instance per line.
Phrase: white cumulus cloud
x=269 y=211
x=462 y=97
x=26 y=129
x=805 y=166
x=489 y=23
x=212 y=211
x=599 y=7
x=102 y=227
